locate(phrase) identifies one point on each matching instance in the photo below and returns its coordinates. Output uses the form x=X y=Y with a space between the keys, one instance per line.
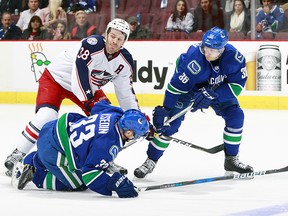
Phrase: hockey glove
x=160 y=115
x=122 y=185
x=98 y=96
x=203 y=99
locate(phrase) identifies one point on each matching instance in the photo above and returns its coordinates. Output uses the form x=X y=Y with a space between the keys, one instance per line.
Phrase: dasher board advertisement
x=22 y=63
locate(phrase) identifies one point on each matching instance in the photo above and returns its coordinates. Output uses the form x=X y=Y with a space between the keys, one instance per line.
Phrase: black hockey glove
x=160 y=115
x=203 y=99
x=122 y=185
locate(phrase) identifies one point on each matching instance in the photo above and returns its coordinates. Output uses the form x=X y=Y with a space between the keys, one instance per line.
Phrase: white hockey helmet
x=120 y=25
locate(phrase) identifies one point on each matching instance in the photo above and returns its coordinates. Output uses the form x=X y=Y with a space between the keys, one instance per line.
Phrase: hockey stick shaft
x=177 y=115
x=213 y=150
x=213 y=179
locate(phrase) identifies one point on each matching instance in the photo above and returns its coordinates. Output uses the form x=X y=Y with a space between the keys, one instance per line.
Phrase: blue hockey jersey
x=275 y=18
x=90 y=143
x=227 y=77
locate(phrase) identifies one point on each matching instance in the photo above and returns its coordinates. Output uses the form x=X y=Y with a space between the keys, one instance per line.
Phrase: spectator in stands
x=83 y=28
x=35 y=31
x=270 y=18
x=8 y=29
x=43 y=4
x=61 y=31
x=247 y=4
x=280 y=2
x=181 y=19
x=136 y=30
x=65 y=4
x=10 y=6
x=239 y=20
x=227 y=7
x=86 y=5
x=52 y=13
x=26 y=15
x=208 y=15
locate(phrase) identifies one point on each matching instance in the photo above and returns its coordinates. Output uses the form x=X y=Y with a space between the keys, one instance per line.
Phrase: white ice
x=264 y=146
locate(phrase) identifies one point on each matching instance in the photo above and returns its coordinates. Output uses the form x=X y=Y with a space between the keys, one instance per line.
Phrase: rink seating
x=155 y=19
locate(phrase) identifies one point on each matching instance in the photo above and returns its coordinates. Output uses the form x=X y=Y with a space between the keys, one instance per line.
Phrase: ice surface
x=264 y=147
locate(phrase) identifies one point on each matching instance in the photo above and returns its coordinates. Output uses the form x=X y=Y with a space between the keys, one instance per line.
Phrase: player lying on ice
x=74 y=151
x=212 y=73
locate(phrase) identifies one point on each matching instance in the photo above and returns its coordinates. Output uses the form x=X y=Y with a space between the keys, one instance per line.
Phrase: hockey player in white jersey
x=74 y=151
x=78 y=74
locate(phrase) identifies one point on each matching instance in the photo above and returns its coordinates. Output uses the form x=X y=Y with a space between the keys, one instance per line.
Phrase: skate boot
x=26 y=176
x=12 y=159
x=232 y=164
x=146 y=168
x=113 y=167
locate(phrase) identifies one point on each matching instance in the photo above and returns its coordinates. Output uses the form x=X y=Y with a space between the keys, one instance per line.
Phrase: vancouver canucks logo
x=113 y=151
x=100 y=78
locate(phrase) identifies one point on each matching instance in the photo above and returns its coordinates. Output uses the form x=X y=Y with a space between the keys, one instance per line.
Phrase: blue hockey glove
x=160 y=115
x=122 y=185
x=203 y=99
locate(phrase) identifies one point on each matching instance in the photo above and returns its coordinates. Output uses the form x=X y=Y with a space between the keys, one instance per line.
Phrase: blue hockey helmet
x=136 y=121
x=215 y=38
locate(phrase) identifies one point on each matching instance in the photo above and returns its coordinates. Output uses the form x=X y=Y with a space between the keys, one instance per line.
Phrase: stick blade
x=216 y=149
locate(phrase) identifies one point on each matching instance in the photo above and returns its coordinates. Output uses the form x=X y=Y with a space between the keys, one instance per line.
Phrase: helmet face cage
x=136 y=121
x=215 y=38
x=120 y=25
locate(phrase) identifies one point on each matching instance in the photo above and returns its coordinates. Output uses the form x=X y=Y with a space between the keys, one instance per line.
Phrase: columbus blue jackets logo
x=100 y=78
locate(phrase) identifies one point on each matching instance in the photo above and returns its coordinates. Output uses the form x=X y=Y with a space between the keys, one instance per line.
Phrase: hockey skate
x=12 y=159
x=146 y=168
x=113 y=167
x=26 y=176
x=232 y=164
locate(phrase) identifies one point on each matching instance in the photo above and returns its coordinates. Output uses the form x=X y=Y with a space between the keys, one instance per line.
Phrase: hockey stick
x=213 y=179
x=177 y=115
x=212 y=150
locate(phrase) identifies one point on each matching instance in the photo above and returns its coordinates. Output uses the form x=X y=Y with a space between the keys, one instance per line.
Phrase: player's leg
x=232 y=135
x=159 y=144
x=49 y=98
x=49 y=166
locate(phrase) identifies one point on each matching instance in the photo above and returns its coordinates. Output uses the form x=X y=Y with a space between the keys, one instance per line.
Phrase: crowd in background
x=150 y=19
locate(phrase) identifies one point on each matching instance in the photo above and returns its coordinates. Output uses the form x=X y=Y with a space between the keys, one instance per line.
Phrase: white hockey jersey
x=87 y=67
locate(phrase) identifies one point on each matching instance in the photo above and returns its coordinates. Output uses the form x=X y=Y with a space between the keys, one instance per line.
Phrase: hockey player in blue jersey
x=74 y=151
x=211 y=73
